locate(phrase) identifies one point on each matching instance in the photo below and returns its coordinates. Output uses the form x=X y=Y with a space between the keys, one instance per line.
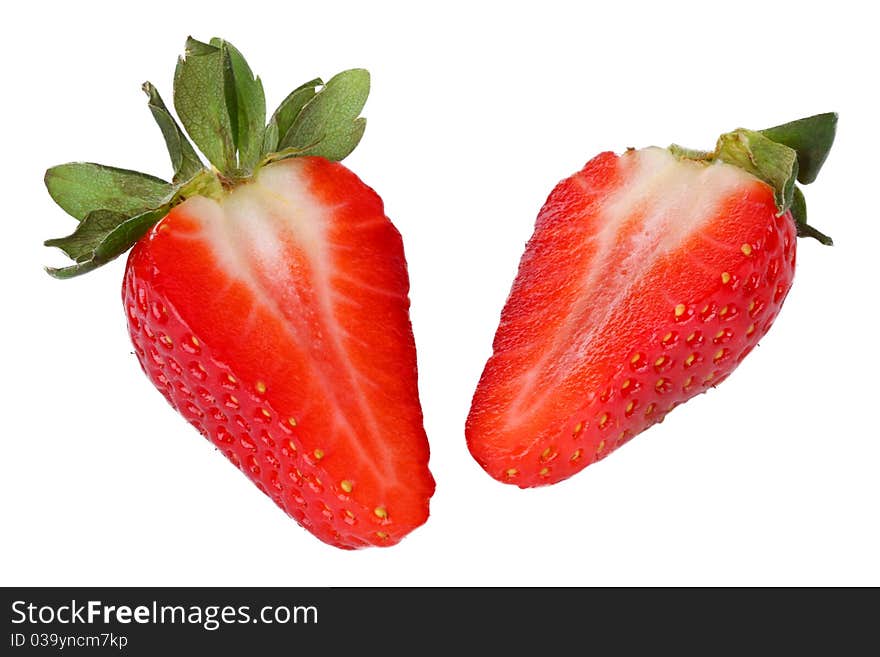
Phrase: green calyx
x=222 y=108
x=781 y=156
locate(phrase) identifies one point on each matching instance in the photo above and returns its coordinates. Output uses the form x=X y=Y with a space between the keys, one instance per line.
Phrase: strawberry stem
x=774 y=163
x=779 y=156
x=684 y=153
x=209 y=183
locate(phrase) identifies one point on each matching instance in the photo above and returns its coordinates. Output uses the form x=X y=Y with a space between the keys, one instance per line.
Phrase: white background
x=476 y=111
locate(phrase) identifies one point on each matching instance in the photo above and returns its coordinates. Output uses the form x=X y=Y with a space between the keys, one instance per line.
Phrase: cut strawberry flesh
x=637 y=291
x=285 y=307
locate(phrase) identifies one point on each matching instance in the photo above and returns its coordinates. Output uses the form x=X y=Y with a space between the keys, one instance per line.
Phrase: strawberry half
x=267 y=296
x=649 y=277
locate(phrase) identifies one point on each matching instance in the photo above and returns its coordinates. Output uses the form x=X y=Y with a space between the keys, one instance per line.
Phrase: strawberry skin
x=649 y=277
x=276 y=322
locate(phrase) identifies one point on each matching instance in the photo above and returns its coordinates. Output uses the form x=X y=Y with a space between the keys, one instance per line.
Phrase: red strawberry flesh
x=276 y=321
x=647 y=280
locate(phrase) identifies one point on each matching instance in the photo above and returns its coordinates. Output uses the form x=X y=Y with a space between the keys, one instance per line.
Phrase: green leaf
x=88 y=234
x=81 y=187
x=107 y=236
x=286 y=114
x=184 y=158
x=334 y=146
x=772 y=162
x=246 y=104
x=124 y=236
x=811 y=138
x=270 y=138
x=330 y=115
x=292 y=105
x=339 y=143
x=73 y=270
x=200 y=102
x=799 y=214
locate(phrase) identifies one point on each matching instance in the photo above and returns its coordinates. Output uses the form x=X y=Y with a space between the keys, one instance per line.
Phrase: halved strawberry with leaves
x=267 y=295
x=649 y=277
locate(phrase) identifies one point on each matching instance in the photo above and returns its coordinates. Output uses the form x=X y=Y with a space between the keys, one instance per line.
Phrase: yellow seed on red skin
x=544 y=472
x=291 y=421
x=546 y=454
x=574 y=457
x=600 y=446
x=626 y=384
x=679 y=310
x=345 y=485
x=630 y=407
x=511 y=472
x=380 y=512
x=578 y=427
x=723 y=311
x=719 y=354
x=750 y=330
x=635 y=359
x=603 y=420
x=260 y=387
x=660 y=361
x=690 y=360
x=667 y=338
x=382 y=535
x=746 y=249
x=650 y=409
x=194 y=340
x=319 y=454
x=291 y=445
x=725 y=278
x=265 y=412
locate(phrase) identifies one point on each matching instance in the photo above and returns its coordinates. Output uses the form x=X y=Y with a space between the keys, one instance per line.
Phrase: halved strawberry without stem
x=649 y=277
x=267 y=296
